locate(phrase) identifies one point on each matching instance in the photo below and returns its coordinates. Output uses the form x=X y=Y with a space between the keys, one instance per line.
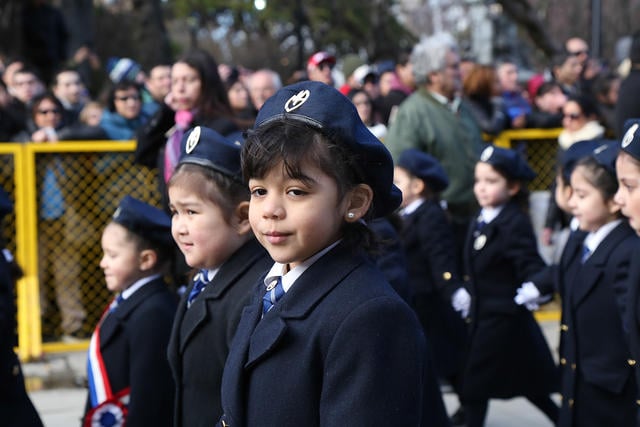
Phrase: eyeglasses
x=572 y=116
x=324 y=65
x=579 y=52
x=52 y=111
x=128 y=97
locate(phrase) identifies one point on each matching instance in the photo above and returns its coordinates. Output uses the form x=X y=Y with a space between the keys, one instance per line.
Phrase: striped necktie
x=201 y=281
x=273 y=294
x=586 y=253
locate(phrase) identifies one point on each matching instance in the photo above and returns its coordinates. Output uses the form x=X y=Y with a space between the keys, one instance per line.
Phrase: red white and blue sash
x=108 y=409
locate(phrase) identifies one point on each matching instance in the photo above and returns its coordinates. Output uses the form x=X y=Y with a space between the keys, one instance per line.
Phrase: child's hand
x=529 y=296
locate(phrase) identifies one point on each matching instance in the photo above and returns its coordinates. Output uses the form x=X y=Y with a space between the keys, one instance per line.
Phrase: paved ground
x=57 y=392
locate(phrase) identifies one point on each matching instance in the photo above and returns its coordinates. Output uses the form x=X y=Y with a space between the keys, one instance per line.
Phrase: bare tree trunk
x=526 y=17
x=148 y=33
x=11 y=27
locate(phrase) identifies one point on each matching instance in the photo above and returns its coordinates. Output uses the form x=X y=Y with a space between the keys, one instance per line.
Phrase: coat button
x=631 y=362
x=573 y=366
x=564 y=327
x=446 y=275
x=563 y=361
x=571 y=402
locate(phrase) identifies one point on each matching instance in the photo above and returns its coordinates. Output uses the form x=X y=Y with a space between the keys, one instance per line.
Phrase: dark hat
x=320 y=57
x=322 y=107
x=122 y=69
x=425 y=167
x=605 y=155
x=6 y=205
x=630 y=142
x=143 y=219
x=574 y=153
x=206 y=147
x=508 y=161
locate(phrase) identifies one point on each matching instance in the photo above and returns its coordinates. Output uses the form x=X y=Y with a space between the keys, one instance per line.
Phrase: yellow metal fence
x=65 y=193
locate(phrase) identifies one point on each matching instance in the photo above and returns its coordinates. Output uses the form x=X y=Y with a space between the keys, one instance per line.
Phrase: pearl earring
x=351 y=215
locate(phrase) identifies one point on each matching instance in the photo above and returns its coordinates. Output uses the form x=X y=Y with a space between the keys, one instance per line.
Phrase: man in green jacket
x=434 y=120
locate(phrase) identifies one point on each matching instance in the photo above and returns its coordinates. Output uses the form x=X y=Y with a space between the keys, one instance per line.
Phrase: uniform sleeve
x=152 y=388
x=523 y=249
x=375 y=368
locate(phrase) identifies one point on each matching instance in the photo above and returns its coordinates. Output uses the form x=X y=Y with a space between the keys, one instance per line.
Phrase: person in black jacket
x=15 y=406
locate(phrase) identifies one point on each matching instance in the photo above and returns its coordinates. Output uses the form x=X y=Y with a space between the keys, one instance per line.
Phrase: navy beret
x=425 y=167
x=143 y=219
x=574 y=153
x=630 y=142
x=6 y=205
x=322 y=107
x=206 y=147
x=508 y=161
x=605 y=155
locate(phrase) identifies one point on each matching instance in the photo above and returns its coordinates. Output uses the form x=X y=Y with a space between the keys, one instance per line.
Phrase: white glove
x=461 y=302
x=529 y=296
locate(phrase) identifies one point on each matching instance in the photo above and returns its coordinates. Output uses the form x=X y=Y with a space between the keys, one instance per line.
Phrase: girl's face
x=186 y=86
x=410 y=186
x=201 y=231
x=47 y=115
x=587 y=203
x=628 y=195
x=93 y=115
x=491 y=188
x=128 y=103
x=295 y=219
x=363 y=105
x=573 y=119
x=238 y=96
x=121 y=261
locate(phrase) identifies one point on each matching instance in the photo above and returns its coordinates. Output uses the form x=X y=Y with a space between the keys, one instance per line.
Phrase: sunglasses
x=52 y=111
x=572 y=116
x=579 y=52
x=324 y=65
x=126 y=98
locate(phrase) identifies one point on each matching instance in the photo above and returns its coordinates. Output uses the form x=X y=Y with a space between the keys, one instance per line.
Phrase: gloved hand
x=529 y=296
x=461 y=302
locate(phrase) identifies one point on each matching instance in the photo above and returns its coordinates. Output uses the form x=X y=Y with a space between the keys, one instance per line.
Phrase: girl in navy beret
x=508 y=355
x=326 y=340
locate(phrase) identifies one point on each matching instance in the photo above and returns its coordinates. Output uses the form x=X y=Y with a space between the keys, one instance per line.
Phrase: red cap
x=320 y=57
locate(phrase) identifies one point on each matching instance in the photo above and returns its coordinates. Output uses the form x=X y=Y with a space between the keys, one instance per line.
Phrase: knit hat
x=121 y=69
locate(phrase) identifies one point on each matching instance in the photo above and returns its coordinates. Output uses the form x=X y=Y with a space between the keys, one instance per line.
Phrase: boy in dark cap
x=129 y=376
x=15 y=406
x=434 y=273
x=326 y=340
x=209 y=202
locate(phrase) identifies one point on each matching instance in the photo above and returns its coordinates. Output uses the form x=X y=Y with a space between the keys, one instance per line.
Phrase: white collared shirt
x=137 y=285
x=211 y=273
x=452 y=105
x=411 y=207
x=289 y=278
x=594 y=238
x=489 y=214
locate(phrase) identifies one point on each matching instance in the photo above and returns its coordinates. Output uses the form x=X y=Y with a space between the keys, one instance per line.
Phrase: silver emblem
x=628 y=137
x=486 y=154
x=480 y=241
x=296 y=100
x=117 y=213
x=600 y=149
x=192 y=141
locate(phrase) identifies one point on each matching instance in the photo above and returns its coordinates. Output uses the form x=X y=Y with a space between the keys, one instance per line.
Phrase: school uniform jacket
x=133 y=342
x=508 y=354
x=202 y=335
x=632 y=314
x=595 y=353
x=340 y=348
x=434 y=276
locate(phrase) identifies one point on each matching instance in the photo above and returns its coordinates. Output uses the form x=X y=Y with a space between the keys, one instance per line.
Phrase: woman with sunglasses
x=124 y=114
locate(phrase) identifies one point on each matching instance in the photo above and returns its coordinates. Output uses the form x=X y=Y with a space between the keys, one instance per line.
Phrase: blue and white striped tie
x=273 y=294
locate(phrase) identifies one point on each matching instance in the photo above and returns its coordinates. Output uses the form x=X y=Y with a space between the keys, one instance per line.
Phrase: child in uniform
x=429 y=244
x=16 y=408
x=129 y=376
x=508 y=355
x=209 y=203
x=326 y=340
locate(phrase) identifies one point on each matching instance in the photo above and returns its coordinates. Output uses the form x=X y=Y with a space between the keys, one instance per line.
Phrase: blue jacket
x=119 y=128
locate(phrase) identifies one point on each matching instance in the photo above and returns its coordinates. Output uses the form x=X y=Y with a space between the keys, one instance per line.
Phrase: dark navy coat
x=340 y=348
x=16 y=409
x=133 y=341
x=508 y=354
x=632 y=314
x=434 y=275
x=202 y=335
x=598 y=383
